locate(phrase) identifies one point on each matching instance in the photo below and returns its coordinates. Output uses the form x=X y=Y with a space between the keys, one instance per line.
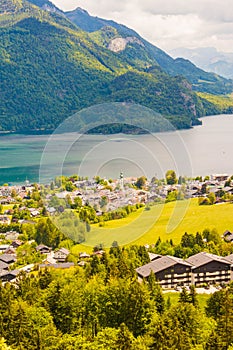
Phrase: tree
x=204 y=188
x=188 y=240
x=171 y=178
x=3 y=345
x=212 y=198
x=124 y=338
x=156 y=293
x=193 y=296
x=184 y=296
x=103 y=201
x=141 y=182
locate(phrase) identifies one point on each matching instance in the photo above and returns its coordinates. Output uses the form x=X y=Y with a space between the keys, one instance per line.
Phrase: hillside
x=50 y=68
x=201 y=80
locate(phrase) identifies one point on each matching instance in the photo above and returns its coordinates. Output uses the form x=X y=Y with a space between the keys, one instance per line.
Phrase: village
x=22 y=205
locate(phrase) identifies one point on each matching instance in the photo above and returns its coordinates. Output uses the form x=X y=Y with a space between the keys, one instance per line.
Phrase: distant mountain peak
x=80 y=9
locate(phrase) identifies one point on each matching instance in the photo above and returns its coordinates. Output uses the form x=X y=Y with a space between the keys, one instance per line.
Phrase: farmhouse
x=61 y=254
x=7 y=276
x=3 y=266
x=209 y=268
x=8 y=258
x=4 y=247
x=169 y=271
x=43 y=249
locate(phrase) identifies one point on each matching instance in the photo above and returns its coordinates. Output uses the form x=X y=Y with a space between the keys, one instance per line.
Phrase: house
x=8 y=258
x=229 y=238
x=34 y=213
x=226 y=233
x=4 y=247
x=11 y=235
x=43 y=249
x=3 y=266
x=4 y=219
x=16 y=243
x=61 y=254
x=51 y=210
x=10 y=250
x=219 y=177
x=84 y=255
x=229 y=258
x=169 y=271
x=209 y=268
x=8 y=276
x=98 y=253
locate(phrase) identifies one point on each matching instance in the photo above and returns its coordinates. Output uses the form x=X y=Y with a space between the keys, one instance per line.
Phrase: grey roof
x=229 y=238
x=204 y=258
x=3 y=265
x=7 y=258
x=64 y=251
x=84 y=255
x=228 y=189
x=59 y=265
x=153 y=256
x=229 y=258
x=41 y=247
x=227 y=233
x=160 y=264
x=13 y=273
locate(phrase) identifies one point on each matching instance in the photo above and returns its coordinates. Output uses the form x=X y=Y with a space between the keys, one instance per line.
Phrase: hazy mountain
x=209 y=59
x=51 y=68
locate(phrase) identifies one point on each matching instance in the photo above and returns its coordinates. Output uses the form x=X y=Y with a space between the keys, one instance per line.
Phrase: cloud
x=168 y=23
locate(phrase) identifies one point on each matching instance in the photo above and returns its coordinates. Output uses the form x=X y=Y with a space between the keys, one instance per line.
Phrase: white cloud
x=168 y=23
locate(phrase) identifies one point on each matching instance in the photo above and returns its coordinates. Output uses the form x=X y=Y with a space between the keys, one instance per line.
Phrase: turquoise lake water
x=203 y=150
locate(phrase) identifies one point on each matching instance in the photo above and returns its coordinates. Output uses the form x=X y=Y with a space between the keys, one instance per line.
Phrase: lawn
x=169 y=221
x=174 y=297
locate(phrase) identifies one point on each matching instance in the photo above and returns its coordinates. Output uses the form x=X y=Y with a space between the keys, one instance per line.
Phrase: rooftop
x=160 y=264
x=204 y=258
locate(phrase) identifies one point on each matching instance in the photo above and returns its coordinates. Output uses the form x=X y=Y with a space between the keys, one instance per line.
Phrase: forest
x=103 y=306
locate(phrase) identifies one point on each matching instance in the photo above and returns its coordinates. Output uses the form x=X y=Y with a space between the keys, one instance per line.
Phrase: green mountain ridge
x=51 y=68
x=201 y=80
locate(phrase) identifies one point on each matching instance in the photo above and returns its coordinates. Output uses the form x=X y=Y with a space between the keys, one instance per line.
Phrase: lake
x=203 y=150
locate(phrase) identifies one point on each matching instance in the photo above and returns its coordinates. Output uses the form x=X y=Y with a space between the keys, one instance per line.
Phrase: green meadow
x=174 y=299
x=167 y=221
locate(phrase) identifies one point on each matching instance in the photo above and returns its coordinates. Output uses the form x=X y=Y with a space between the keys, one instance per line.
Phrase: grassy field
x=169 y=221
x=174 y=297
x=218 y=100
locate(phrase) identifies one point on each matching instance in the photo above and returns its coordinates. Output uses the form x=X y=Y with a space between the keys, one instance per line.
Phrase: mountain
x=51 y=67
x=200 y=80
x=209 y=59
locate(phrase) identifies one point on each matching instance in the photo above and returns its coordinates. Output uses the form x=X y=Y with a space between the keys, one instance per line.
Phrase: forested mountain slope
x=51 y=68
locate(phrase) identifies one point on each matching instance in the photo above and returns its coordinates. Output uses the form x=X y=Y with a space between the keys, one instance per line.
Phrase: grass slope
x=222 y=102
x=169 y=221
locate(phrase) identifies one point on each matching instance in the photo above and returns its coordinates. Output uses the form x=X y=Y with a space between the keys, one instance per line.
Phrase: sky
x=168 y=24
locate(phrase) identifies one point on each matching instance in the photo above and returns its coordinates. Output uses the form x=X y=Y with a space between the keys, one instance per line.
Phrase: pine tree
x=156 y=293
x=124 y=338
x=184 y=296
x=193 y=296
